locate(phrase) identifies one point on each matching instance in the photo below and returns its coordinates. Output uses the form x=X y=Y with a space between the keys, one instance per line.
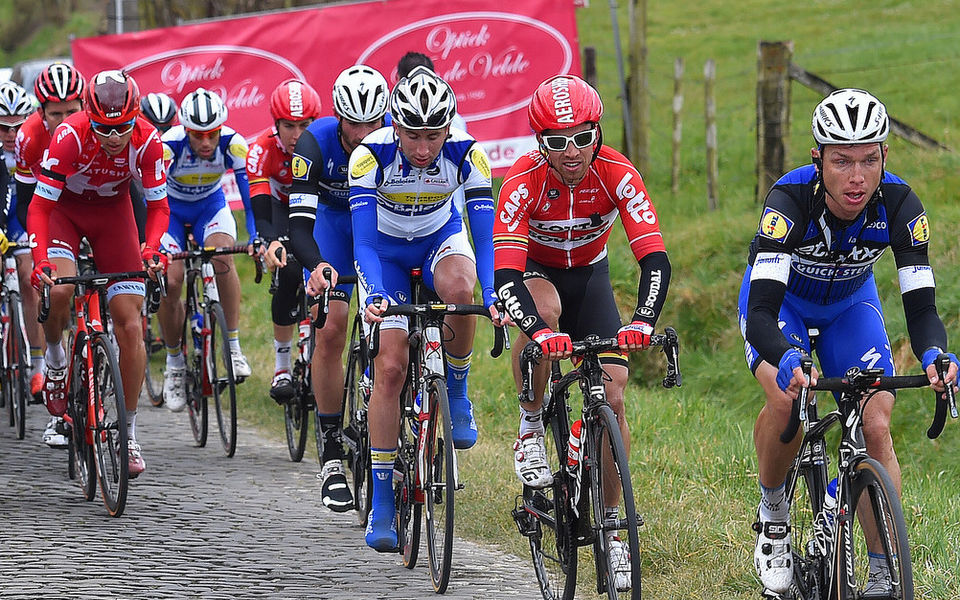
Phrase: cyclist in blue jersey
x=811 y=261
x=321 y=235
x=197 y=153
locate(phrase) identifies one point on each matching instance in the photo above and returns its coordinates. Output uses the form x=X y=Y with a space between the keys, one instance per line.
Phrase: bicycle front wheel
x=18 y=365
x=109 y=427
x=81 y=452
x=874 y=532
x=156 y=359
x=604 y=456
x=220 y=372
x=439 y=483
x=356 y=395
x=296 y=412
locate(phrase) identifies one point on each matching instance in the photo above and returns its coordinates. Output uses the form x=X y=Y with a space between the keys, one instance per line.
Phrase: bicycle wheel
x=604 y=452
x=875 y=514
x=356 y=395
x=156 y=359
x=438 y=478
x=409 y=504
x=296 y=412
x=809 y=529
x=193 y=384
x=219 y=367
x=109 y=427
x=81 y=452
x=18 y=365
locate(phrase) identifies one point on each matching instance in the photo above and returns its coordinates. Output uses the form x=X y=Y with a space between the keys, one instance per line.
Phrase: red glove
x=552 y=342
x=149 y=255
x=35 y=279
x=636 y=335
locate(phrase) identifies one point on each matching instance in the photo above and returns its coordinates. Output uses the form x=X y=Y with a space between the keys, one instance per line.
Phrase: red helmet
x=294 y=100
x=59 y=82
x=112 y=98
x=564 y=101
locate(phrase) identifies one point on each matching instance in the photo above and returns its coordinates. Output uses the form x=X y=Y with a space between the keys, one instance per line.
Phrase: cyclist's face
x=55 y=112
x=9 y=126
x=571 y=163
x=851 y=174
x=290 y=131
x=421 y=146
x=352 y=133
x=204 y=143
x=114 y=144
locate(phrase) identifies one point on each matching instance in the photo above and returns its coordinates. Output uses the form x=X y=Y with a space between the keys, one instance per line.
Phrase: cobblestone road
x=200 y=525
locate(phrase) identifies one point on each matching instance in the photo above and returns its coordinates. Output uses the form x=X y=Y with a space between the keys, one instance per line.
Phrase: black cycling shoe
x=281 y=388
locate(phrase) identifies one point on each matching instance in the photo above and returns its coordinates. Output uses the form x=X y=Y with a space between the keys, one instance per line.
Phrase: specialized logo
x=774 y=225
x=363 y=166
x=479 y=160
x=300 y=167
x=919 y=230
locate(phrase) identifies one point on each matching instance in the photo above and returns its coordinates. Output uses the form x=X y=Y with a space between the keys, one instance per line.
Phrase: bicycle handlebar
x=94 y=279
x=500 y=340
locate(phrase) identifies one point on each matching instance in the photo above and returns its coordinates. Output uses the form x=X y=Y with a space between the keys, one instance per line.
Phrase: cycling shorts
x=333 y=232
x=586 y=301
x=209 y=216
x=852 y=331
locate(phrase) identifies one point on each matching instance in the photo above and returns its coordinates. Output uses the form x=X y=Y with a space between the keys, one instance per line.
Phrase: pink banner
x=493 y=53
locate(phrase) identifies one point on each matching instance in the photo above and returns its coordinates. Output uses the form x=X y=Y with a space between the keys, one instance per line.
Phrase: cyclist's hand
x=555 y=346
x=317 y=282
x=375 y=306
x=928 y=361
x=271 y=256
x=790 y=377
x=635 y=336
x=40 y=276
x=4 y=243
x=155 y=261
x=499 y=318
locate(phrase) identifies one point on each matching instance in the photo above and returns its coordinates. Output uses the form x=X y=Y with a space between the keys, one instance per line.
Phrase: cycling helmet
x=360 y=94
x=59 y=82
x=159 y=109
x=422 y=100
x=294 y=100
x=112 y=98
x=15 y=102
x=564 y=101
x=202 y=110
x=850 y=116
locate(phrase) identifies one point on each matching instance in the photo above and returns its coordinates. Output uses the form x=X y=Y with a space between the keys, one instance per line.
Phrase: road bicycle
x=570 y=513
x=357 y=385
x=15 y=361
x=830 y=544
x=206 y=345
x=426 y=462
x=96 y=412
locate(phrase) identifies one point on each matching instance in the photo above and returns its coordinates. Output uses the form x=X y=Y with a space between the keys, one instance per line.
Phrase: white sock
x=175 y=358
x=773 y=504
x=132 y=425
x=55 y=356
x=531 y=421
x=281 y=355
x=234 y=335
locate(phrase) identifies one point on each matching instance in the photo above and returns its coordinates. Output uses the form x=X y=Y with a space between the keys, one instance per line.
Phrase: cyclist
x=197 y=153
x=82 y=191
x=554 y=214
x=401 y=179
x=59 y=90
x=293 y=106
x=321 y=235
x=160 y=109
x=822 y=228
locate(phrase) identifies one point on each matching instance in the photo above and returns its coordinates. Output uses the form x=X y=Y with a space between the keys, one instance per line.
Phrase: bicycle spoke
x=110 y=427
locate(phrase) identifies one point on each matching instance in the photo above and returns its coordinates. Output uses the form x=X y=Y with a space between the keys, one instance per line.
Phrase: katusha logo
x=493 y=61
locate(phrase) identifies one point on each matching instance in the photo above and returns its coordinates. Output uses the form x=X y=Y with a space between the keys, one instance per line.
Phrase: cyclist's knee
x=457 y=288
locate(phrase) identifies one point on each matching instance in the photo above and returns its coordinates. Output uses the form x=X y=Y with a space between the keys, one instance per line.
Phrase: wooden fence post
x=773 y=112
x=590 y=65
x=709 y=79
x=677 y=124
x=639 y=87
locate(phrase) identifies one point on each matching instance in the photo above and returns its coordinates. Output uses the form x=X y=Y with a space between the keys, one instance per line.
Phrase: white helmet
x=850 y=116
x=15 y=102
x=360 y=94
x=202 y=110
x=422 y=100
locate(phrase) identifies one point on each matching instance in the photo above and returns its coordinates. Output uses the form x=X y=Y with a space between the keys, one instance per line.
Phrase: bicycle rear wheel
x=876 y=514
x=439 y=483
x=81 y=452
x=810 y=534
x=296 y=412
x=156 y=359
x=603 y=452
x=356 y=395
x=409 y=504
x=109 y=427
x=220 y=371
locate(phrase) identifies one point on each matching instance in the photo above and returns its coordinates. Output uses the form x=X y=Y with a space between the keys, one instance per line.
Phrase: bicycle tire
x=603 y=435
x=356 y=395
x=870 y=485
x=80 y=451
x=811 y=537
x=18 y=364
x=156 y=359
x=439 y=483
x=296 y=412
x=220 y=372
x=193 y=383
x=110 y=427
x=409 y=506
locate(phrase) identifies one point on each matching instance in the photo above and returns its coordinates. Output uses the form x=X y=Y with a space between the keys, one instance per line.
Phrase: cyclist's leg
x=30 y=299
x=170 y=313
x=284 y=307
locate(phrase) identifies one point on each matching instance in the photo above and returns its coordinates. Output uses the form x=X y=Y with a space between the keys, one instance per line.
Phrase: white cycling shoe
x=530 y=461
x=773 y=556
x=619 y=554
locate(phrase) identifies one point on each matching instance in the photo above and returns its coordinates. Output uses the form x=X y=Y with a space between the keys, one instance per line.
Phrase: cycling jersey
x=268 y=169
x=542 y=219
x=804 y=254
x=394 y=203
x=33 y=138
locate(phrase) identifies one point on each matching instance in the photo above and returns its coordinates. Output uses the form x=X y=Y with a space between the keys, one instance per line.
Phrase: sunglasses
x=120 y=129
x=204 y=135
x=5 y=127
x=558 y=143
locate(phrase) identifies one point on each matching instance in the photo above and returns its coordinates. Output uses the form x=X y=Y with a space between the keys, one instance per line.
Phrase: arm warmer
x=652 y=289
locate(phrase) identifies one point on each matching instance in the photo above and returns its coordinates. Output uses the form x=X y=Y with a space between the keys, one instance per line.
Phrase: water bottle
x=196 y=325
x=573 y=447
x=830 y=501
x=303 y=336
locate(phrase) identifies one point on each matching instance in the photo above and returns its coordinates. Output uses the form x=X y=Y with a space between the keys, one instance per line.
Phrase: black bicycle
x=573 y=511
x=357 y=385
x=15 y=356
x=833 y=535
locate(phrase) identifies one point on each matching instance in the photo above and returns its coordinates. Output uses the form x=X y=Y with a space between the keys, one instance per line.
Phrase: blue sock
x=458 y=367
x=381 y=534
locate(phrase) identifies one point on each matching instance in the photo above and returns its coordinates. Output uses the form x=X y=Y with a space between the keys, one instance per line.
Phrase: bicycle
x=96 y=412
x=209 y=371
x=15 y=358
x=427 y=463
x=357 y=386
x=830 y=545
x=153 y=342
x=570 y=513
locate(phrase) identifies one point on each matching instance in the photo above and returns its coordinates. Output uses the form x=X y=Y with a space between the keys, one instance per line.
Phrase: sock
x=36 y=359
x=611 y=513
x=773 y=503
x=55 y=356
x=332 y=442
x=132 y=425
x=175 y=358
x=878 y=563
x=381 y=465
x=458 y=367
x=282 y=355
x=234 y=335
x=530 y=421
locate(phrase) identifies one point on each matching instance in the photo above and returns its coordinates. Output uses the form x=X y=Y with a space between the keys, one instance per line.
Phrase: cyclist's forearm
x=762 y=328
x=518 y=301
x=243 y=185
x=263 y=215
x=652 y=290
x=923 y=322
x=24 y=196
x=302 y=242
x=481 y=229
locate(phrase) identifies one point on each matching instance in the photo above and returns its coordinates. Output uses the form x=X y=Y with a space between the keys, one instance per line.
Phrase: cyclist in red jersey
x=83 y=191
x=294 y=105
x=554 y=214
